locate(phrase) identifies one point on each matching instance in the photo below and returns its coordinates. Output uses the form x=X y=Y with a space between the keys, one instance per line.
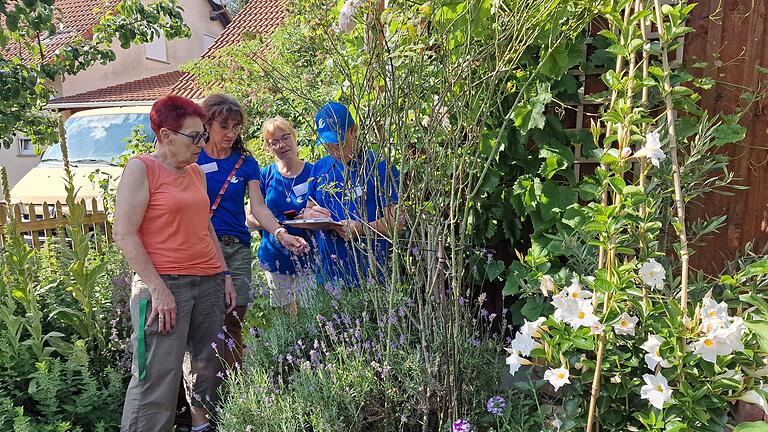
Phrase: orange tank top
x=174 y=231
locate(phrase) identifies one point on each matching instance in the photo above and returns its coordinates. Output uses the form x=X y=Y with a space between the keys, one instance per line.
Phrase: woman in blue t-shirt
x=290 y=277
x=226 y=158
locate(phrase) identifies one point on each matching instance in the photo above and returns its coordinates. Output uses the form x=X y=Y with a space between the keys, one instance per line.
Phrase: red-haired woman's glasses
x=197 y=138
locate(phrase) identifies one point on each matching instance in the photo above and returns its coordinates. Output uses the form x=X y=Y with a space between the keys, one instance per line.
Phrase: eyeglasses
x=234 y=129
x=196 y=138
x=284 y=139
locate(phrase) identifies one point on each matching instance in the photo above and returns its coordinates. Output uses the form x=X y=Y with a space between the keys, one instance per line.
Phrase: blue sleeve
x=263 y=176
x=312 y=183
x=253 y=172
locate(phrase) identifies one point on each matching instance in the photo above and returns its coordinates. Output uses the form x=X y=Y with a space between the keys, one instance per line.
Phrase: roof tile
x=145 y=89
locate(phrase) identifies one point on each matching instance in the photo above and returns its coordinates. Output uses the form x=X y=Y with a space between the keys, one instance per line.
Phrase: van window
x=98 y=138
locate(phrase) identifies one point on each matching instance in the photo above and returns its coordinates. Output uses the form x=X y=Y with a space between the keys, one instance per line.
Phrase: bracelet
x=226 y=273
x=278 y=231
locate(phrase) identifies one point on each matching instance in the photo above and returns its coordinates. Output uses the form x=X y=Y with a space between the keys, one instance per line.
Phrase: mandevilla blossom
x=721 y=341
x=514 y=362
x=652 y=149
x=626 y=325
x=573 y=311
x=575 y=291
x=713 y=315
x=652 y=274
x=652 y=347
x=531 y=328
x=547 y=285
x=557 y=377
x=461 y=425
x=656 y=390
x=524 y=344
x=596 y=328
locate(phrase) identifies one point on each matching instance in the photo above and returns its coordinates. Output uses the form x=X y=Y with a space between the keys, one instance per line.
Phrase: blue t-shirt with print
x=359 y=191
x=283 y=194
x=229 y=217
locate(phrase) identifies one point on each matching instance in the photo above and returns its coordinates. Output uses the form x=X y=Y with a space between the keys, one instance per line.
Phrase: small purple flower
x=484 y=312
x=462 y=302
x=496 y=405
x=220 y=336
x=213 y=345
x=252 y=331
x=230 y=343
x=461 y=425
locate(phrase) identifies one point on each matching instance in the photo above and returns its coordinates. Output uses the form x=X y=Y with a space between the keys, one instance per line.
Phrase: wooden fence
x=37 y=223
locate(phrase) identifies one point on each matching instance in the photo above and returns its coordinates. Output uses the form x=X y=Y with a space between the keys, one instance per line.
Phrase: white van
x=95 y=139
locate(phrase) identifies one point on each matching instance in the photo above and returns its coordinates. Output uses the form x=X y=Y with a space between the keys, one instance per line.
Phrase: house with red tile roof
x=138 y=75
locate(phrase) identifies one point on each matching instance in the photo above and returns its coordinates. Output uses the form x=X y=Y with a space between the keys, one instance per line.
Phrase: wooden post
x=33 y=233
x=46 y=217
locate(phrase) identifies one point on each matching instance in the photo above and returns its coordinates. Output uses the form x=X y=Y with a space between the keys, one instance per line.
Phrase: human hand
x=349 y=229
x=164 y=309
x=315 y=212
x=294 y=243
x=229 y=293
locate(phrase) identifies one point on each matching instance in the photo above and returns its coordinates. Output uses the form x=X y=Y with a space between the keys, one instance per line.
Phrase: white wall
x=132 y=64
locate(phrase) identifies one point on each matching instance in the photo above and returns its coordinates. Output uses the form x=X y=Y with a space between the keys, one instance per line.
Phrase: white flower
x=754 y=397
x=596 y=328
x=514 y=362
x=626 y=325
x=531 y=328
x=652 y=149
x=564 y=305
x=426 y=121
x=652 y=274
x=656 y=390
x=346 y=21
x=713 y=315
x=653 y=358
x=575 y=291
x=721 y=341
x=547 y=285
x=626 y=152
x=616 y=379
x=524 y=344
x=557 y=377
x=583 y=315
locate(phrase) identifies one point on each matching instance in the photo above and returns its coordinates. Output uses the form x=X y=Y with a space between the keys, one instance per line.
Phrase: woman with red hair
x=180 y=288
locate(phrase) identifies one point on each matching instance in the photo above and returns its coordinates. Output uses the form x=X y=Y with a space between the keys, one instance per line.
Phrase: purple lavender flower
x=252 y=331
x=484 y=312
x=461 y=425
x=462 y=302
x=220 y=335
x=213 y=345
x=230 y=343
x=496 y=405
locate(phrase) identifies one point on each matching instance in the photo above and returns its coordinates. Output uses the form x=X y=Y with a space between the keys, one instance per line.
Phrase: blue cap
x=332 y=122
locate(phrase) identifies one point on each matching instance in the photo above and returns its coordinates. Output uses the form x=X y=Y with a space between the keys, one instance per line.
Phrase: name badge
x=358 y=191
x=209 y=167
x=301 y=189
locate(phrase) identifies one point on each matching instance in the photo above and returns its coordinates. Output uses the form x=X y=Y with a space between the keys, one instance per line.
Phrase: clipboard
x=313 y=224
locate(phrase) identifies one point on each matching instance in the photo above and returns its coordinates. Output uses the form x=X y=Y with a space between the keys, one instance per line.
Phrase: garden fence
x=38 y=223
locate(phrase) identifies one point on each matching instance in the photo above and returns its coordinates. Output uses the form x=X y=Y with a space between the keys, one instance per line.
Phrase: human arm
x=250 y=220
x=384 y=226
x=267 y=221
x=131 y=204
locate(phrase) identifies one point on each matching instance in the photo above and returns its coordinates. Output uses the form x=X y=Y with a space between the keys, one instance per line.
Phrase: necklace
x=288 y=191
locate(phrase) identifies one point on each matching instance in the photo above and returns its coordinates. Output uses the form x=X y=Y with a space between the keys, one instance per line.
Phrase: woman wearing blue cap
x=357 y=188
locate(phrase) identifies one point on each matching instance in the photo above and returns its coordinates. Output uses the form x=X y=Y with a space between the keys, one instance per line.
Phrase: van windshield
x=98 y=138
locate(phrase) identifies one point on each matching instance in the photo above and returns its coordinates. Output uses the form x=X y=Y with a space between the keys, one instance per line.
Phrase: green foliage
x=64 y=329
x=28 y=69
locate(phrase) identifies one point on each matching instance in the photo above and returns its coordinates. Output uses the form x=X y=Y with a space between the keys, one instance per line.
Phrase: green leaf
x=533 y=309
x=752 y=427
x=758 y=268
x=755 y=301
x=729 y=133
x=515 y=272
x=494 y=269
x=760 y=328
